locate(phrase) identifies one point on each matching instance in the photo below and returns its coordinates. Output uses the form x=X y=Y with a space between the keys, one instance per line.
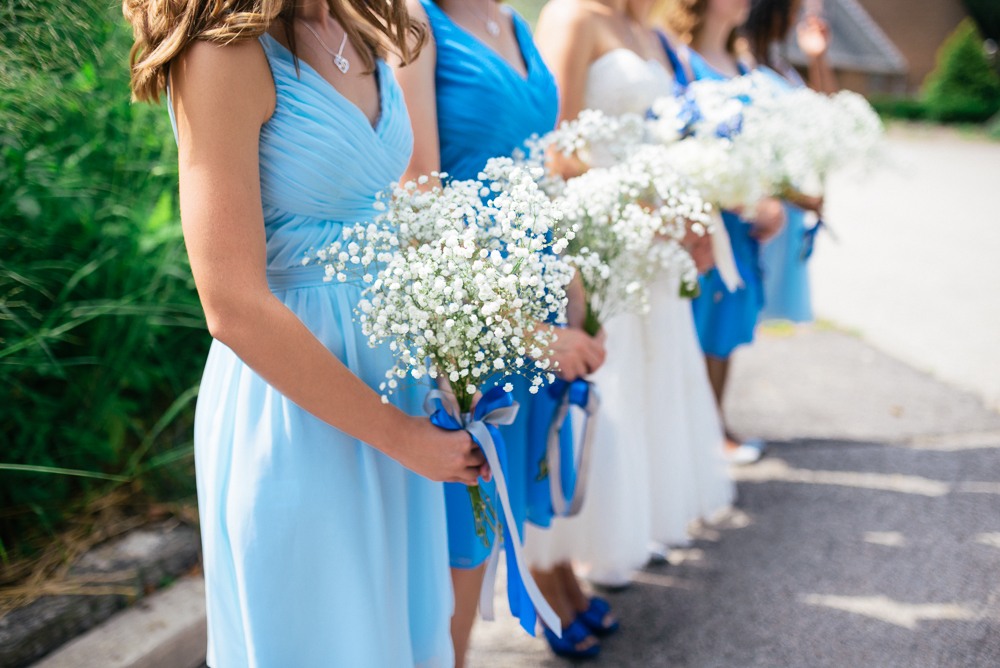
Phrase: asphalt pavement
x=868 y=537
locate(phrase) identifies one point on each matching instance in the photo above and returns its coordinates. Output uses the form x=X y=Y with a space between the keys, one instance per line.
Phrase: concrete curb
x=164 y=630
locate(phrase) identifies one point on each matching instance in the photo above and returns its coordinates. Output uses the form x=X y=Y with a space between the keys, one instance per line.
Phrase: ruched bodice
x=485 y=107
x=308 y=195
x=621 y=82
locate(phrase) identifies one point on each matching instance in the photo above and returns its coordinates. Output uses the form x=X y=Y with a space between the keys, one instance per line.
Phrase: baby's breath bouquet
x=458 y=280
x=711 y=142
x=749 y=137
x=624 y=224
x=811 y=135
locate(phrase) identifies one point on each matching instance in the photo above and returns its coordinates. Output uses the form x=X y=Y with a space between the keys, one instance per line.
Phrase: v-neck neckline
x=725 y=77
x=379 y=83
x=496 y=54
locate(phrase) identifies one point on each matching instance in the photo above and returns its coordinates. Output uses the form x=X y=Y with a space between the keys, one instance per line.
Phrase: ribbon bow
x=578 y=393
x=497 y=407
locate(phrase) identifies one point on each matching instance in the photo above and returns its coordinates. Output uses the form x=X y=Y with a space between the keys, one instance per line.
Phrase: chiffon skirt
x=657 y=460
x=319 y=550
x=726 y=319
x=786 y=273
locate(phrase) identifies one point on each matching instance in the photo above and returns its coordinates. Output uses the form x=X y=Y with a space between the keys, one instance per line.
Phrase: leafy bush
x=963 y=87
x=899 y=106
x=101 y=333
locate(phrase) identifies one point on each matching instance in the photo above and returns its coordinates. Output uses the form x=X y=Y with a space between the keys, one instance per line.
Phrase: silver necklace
x=338 y=58
x=492 y=26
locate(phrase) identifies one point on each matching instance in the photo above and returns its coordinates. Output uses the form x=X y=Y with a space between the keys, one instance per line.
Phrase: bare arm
x=417 y=82
x=813 y=35
x=222 y=96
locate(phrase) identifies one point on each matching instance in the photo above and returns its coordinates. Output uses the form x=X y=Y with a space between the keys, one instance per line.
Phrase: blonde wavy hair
x=164 y=28
x=686 y=17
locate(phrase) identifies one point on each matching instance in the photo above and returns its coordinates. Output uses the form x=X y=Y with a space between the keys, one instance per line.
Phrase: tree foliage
x=963 y=86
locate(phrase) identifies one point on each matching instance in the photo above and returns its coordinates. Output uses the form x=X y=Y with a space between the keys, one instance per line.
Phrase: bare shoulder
x=416 y=10
x=579 y=16
x=229 y=77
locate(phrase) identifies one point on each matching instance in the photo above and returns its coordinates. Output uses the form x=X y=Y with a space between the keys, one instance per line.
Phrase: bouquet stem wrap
x=498 y=408
x=583 y=394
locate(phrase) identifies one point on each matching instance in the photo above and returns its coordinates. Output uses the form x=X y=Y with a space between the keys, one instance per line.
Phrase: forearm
x=821 y=76
x=272 y=341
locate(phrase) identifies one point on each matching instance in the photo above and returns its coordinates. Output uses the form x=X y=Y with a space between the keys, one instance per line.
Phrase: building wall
x=917 y=28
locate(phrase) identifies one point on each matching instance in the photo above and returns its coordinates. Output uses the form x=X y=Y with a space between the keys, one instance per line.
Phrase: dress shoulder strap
x=681 y=69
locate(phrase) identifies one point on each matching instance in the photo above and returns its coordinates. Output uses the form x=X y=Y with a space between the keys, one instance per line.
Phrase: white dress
x=657 y=462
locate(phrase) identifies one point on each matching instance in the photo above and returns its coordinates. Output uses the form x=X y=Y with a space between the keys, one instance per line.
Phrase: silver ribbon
x=722 y=251
x=553 y=454
x=499 y=416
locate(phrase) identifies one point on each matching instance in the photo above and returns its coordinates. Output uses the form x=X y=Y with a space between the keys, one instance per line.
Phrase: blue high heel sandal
x=572 y=636
x=593 y=617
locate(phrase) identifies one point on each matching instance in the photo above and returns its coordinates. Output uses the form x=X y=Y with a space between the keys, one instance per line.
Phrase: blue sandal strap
x=593 y=617
x=572 y=635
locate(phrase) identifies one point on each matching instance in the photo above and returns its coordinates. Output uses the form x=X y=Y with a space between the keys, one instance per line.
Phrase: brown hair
x=164 y=28
x=685 y=17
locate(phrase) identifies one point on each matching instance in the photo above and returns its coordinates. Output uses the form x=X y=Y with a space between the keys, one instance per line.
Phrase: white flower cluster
x=458 y=285
x=711 y=142
x=596 y=138
x=625 y=223
x=811 y=135
x=750 y=137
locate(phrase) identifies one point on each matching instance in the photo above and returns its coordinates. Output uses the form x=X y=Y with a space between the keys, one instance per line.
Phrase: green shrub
x=963 y=87
x=899 y=106
x=102 y=337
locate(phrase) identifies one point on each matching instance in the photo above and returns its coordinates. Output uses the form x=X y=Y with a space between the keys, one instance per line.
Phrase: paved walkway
x=917 y=266
x=870 y=535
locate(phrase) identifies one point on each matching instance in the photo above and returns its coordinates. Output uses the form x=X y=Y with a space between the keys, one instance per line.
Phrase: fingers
x=593 y=355
x=475 y=457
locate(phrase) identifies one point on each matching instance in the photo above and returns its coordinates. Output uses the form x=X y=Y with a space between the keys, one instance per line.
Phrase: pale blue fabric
x=785 y=271
x=319 y=550
x=487 y=109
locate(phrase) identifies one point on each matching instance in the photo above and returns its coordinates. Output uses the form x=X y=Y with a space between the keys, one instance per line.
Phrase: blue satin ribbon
x=526 y=601
x=809 y=240
x=583 y=394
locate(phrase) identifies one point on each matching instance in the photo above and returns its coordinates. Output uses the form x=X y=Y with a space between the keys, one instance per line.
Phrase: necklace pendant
x=341 y=63
x=493 y=28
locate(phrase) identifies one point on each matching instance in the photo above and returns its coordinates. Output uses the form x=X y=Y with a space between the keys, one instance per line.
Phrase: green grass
x=102 y=338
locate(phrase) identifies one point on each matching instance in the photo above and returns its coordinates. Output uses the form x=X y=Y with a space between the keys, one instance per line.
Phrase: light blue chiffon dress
x=487 y=109
x=724 y=319
x=782 y=260
x=319 y=550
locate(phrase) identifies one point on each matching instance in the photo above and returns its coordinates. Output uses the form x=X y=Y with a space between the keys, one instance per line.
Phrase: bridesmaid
x=784 y=258
x=479 y=90
x=726 y=319
x=323 y=533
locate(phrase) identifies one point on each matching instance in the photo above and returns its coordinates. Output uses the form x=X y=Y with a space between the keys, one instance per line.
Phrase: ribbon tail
x=722 y=251
x=489 y=582
x=549 y=617
x=583 y=464
x=554 y=456
x=520 y=603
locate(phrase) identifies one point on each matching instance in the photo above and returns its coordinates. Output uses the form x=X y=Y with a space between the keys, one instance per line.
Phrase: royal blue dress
x=487 y=109
x=726 y=319
x=783 y=263
x=319 y=550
